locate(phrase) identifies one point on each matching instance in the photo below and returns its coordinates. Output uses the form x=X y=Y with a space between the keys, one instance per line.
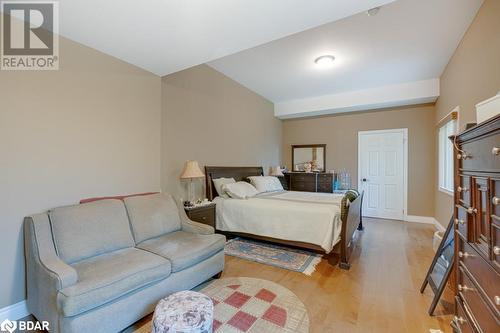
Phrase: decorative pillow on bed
x=219 y=183
x=266 y=183
x=240 y=190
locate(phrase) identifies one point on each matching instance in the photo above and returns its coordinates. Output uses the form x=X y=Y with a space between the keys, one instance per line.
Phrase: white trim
x=14 y=312
x=425 y=220
x=446 y=191
x=439 y=226
x=419 y=219
x=405 y=160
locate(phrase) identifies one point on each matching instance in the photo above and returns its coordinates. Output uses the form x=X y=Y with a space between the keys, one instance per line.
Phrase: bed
x=323 y=223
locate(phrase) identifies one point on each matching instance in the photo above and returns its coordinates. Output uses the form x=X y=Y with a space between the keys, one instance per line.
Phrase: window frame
x=447 y=127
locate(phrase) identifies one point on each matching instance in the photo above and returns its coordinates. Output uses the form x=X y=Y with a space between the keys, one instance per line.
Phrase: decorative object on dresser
x=191 y=171
x=309 y=158
x=488 y=108
x=441 y=267
x=310 y=182
x=203 y=214
x=477 y=228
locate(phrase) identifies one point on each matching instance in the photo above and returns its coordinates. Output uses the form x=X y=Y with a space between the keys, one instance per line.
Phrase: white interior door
x=382 y=172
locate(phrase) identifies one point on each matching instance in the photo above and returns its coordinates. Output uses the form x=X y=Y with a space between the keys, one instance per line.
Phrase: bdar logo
x=8 y=326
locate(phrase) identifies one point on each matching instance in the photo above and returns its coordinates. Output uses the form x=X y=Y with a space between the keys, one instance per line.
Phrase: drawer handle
x=497 y=300
x=459 y=320
x=463 y=156
x=464 y=288
x=462 y=189
x=471 y=210
x=465 y=255
x=203 y=218
x=495 y=201
x=458 y=221
x=496 y=250
x=495 y=150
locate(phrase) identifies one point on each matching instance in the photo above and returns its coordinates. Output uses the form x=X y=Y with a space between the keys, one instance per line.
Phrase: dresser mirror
x=309 y=158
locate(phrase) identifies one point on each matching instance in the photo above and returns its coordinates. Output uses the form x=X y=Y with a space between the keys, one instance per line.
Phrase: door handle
x=363 y=179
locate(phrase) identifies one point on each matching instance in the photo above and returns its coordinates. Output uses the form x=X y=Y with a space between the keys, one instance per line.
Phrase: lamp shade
x=192 y=170
x=276 y=171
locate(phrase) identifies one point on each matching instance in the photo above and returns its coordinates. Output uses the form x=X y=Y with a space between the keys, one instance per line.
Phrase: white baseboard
x=14 y=312
x=425 y=219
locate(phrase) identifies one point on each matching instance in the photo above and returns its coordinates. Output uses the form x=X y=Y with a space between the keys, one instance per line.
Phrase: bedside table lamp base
x=191 y=171
x=191 y=191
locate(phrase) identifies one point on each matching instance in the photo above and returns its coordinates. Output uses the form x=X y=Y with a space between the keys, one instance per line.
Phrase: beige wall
x=340 y=134
x=472 y=75
x=90 y=129
x=210 y=118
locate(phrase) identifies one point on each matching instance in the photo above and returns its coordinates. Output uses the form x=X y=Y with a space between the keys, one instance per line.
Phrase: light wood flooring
x=380 y=293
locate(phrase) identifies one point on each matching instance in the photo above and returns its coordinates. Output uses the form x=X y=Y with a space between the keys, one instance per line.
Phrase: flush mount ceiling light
x=325 y=60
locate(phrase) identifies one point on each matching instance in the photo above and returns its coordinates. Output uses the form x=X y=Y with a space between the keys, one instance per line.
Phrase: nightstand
x=202 y=214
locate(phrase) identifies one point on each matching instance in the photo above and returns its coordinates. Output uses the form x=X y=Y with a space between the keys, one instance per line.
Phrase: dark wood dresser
x=310 y=181
x=477 y=228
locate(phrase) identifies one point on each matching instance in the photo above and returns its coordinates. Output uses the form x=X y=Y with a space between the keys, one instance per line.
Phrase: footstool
x=186 y=312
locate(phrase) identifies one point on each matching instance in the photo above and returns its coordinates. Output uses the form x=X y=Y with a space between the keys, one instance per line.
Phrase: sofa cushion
x=152 y=215
x=184 y=249
x=87 y=230
x=109 y=276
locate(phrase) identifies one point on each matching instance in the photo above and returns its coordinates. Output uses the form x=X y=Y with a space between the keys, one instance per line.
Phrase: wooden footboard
x=350 y=224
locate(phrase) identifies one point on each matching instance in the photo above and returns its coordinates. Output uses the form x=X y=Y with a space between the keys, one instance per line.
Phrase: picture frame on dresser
x=441 y=267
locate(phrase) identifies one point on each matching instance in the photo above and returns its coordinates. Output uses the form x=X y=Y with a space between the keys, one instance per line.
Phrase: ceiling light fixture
x=373 y=11
x=325 y=60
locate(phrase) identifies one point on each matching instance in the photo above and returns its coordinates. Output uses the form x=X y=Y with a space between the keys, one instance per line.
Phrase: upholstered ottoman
x=185 y=311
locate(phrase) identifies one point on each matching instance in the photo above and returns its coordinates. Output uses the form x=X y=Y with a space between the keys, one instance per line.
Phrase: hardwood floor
x=380 y=293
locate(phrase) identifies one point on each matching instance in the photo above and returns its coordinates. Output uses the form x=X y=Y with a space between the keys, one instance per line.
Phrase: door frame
x=404 y=131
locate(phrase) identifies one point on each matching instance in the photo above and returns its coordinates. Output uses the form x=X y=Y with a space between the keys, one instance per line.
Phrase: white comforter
x=296 y=216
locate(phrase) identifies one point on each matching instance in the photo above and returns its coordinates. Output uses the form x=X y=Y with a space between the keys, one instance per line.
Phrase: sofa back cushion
x=152 y=216
x=86 y=230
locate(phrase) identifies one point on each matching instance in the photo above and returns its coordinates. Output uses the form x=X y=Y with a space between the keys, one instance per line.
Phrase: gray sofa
x=101 y=266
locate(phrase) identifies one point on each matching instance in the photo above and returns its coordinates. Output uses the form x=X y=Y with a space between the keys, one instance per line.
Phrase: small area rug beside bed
x=274 y=255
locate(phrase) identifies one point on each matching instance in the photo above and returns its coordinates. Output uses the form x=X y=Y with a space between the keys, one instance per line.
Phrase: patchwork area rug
x=274 y=255
x=247 y=305
x=255 y=306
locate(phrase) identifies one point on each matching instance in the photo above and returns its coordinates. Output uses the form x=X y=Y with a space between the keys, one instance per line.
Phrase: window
x=446 y=156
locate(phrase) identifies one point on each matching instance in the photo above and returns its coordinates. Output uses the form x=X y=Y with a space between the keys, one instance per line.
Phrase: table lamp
x=276 y=171
x=191 y=171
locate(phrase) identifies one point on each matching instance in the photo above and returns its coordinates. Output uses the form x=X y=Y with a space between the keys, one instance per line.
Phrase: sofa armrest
x=41 y=252
x=191 y=226
x=197 y=228
x=46 y=273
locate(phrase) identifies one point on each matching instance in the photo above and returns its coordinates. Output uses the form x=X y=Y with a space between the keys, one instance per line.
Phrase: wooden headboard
x=238 y=173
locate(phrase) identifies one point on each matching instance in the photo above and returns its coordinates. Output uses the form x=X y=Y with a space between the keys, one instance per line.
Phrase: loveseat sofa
x=103 y=265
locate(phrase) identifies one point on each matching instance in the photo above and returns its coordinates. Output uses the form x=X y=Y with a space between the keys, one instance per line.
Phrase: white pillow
x=219 y=182
x=240 y=190
x=266 y=183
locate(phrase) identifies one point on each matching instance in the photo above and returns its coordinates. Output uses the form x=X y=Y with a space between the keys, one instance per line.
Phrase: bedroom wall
x=472 y=75
x=210 y=118
x=91 y=128
x=340 y=134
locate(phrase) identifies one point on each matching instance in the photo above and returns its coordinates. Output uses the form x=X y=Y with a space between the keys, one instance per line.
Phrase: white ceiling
x=407 y=41
x=165 y=36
